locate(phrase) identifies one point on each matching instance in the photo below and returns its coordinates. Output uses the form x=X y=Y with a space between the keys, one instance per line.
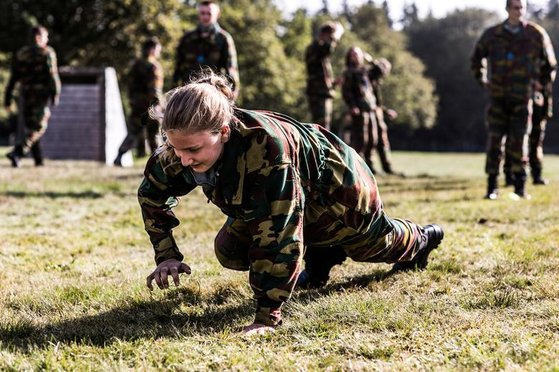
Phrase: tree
x=445 y=46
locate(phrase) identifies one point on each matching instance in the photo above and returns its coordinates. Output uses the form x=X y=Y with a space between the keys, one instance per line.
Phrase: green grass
x=74 y=257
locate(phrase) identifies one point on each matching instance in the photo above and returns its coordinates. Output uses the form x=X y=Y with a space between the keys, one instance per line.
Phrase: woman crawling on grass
x=291 y=192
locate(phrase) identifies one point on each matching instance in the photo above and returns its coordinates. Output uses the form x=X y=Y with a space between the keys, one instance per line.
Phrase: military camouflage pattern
x=357 y=91
x=516 y=60
x=35 y=68
x=376 y=74
x=320 y=82
x=284 y=185
x=217 y=51
x=145 y=85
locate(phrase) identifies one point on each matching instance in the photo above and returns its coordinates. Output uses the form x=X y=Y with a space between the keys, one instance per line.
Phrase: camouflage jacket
x=357 y=90
x=320 y=77
x=217 y=51
x=294 y=184
x=515 y=60
x=145 y=82
x=37 y=72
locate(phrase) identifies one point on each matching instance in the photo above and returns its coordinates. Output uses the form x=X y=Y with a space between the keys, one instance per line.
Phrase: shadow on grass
x=53 y=194
x=145 y=319
x=158 y=318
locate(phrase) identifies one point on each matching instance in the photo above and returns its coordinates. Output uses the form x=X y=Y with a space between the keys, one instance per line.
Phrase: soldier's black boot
x=509 y=178
x=15 y=156
x=37 y=154
x=318 y=263
x=519 y=186
x=432 y=236
x=537 y=177
x=118 y=160
x=492 y=188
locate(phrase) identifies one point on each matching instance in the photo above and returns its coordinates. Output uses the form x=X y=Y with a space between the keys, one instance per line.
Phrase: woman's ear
x=225 y=133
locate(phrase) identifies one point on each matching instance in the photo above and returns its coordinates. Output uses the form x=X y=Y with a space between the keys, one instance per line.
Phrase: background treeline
x=440 y=105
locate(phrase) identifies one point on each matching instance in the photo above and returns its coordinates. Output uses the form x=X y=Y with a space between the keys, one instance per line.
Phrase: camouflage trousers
x=535 y=141
x=397 y=240
x=383 y=144
x=321 y=110
x=508 y=120
x=139 y=123
x=363 y=135
x=35 y=118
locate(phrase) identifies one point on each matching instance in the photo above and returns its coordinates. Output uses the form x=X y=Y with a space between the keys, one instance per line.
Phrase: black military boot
x=118 y=160
x=519 y=185
x=15 y=156
x=509 y=178
x=432 y=236
x=537 y=177
x=37 y=154
x=492 y=188
x=318 y=263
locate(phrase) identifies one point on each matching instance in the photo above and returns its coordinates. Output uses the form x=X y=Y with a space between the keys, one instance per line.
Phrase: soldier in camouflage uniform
x=145 y=85
x=379 y=69
x=207 y=46
x=357 y=92
x=320 y=78
x=521 y=61
x=34 y=66
x=542 y=111
x=286 y=187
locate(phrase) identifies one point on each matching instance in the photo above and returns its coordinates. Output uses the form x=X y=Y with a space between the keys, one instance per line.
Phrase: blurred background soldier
x=145 y=85
x=520 y=59
x=357 y=93
x=320 y=78
x=542 y=111
x=379 y=69
x=34 y=66
x=208 y=45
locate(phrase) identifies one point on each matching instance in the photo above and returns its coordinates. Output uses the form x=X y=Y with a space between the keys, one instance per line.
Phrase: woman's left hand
x=257 y=329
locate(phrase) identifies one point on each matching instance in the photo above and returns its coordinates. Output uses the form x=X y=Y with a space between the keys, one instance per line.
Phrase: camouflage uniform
x=516 y=60
x=216 y=51
x=35 y=68
x=383 y=144
x=357 y=92
x=320 y=82
x=285 y=187
x=145 y=85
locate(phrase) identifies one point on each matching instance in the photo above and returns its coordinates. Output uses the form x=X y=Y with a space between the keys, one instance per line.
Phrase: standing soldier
x=320 y=78
x=34 y=66
x=145 y=85
x=208 y=45
x=381 y=68
x=521 y=61
x=357 y=93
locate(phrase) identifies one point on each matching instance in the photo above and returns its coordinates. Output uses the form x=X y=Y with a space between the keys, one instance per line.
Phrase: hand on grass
x=162 y=271
x=257 y=329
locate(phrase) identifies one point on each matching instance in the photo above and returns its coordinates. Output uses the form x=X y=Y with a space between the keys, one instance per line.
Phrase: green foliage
x=445 y=46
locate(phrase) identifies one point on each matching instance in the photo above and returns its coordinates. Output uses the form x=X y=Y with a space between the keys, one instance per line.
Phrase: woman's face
x=199 y=150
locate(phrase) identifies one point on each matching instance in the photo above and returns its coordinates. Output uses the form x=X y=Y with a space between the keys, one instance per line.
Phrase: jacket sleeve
x=477 y=63
x=157 y=196
x=230 y=63
x=549 y=62
x=178 y=75
x=277 y=246
x=14 y=77
x=54 y=79
x=348 y=91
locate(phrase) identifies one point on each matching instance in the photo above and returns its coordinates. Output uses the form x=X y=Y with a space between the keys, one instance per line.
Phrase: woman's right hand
x=162 y=271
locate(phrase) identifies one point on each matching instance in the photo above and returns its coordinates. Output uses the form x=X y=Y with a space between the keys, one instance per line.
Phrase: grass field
x=74 y=257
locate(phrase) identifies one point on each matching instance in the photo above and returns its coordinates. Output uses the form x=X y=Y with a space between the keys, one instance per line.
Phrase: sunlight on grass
x=74 y=257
